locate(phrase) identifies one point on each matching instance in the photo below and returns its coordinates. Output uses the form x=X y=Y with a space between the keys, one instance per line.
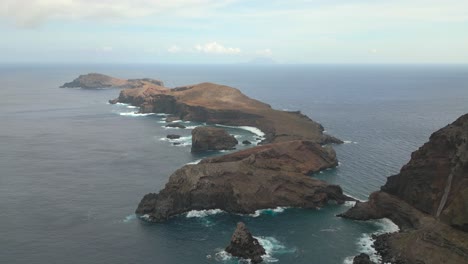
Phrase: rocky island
x=212 y=138
x=97 y=81
x=220 y=104
x=266 y=176
x=428 y=200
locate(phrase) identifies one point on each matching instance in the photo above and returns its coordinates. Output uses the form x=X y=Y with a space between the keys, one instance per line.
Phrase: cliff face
x=219 y=104
x=263 y=177
x=435 y=181
x=96 y=80
x=428 y=200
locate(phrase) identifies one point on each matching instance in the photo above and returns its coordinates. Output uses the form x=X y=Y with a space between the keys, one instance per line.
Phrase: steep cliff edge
x=220 y=104
x=428 y=199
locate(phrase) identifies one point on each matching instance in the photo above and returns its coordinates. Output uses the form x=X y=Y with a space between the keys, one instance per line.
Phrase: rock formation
x=246 y=142
x=262 y=177
x=176 y=125
x=219 y=104
x=362 y=259
x=173 y=136
x=244 y=245
x=96 y=80
x=428 y=200
x=211 y=138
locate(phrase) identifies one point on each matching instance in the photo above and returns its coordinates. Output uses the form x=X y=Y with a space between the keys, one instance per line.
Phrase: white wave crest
x=272 y=247
x=135 y=114
x=203 y=213
x=272 y=211
x=252 y=130
x=129 y=218
x=349 y=142
x=366 y=241
x=132 y=106
x=194 y=162
x=121 y=104
x=191 y=127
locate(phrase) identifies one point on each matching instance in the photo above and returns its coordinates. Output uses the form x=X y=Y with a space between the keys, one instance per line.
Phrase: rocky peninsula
x=97 y=81
x=428 y=200
x=219 y=104
x=266 y=176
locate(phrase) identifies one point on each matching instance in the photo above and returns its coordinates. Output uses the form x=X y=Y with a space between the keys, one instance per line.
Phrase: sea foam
x=135 y=114
x=272 y=211
x=366 y=241
x=203 y=213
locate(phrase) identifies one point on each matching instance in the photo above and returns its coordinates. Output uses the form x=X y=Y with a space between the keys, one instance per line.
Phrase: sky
x=234 y=31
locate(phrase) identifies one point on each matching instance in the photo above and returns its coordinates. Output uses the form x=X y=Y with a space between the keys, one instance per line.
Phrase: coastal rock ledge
x=262 y=177
x=244 y=245
x=428 y=200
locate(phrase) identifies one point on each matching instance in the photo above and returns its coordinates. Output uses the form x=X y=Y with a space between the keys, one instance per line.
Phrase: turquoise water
x=73 y=169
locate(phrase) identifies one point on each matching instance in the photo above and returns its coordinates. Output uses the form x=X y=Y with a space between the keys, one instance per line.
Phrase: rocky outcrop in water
x=96 y=80
x=262 y=177
x=212 y=138
x=244 y=245
x=362 y=259
x=220 y=104
x=428 y=200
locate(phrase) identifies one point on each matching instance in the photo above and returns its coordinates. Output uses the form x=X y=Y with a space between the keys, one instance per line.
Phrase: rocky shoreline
x=427 y=200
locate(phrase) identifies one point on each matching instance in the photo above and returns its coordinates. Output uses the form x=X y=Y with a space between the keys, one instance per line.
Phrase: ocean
x=73 y=167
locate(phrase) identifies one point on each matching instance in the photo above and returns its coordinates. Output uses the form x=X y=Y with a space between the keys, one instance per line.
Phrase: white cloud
x=216 y=48
x=174 y=49
x=32 y=13
x=264 y=53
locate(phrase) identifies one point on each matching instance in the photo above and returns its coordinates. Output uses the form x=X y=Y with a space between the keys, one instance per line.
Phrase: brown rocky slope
x=263 y=177
x=428 y=199
x=220 y=104
x=97 y=80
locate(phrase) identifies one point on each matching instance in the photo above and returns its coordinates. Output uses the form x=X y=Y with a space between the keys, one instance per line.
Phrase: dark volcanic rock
x=219 y=104
x=262 y=177
x=362 y=259
x=246 y=142
x=175 y=125
x=173 y=136
x=428 y=200
x=96 y=80
x=211 y=138
x=435 y=180
x=244 y=245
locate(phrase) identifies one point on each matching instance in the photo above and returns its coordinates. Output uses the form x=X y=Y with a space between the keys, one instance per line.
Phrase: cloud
x=33 y=13
x=174 y=49
x=264 y=53
x=216 y=48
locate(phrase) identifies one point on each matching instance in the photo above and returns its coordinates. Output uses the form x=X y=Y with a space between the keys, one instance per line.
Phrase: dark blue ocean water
x=72 y=169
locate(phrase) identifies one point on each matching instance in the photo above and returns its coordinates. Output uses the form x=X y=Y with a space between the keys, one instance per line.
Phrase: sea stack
x=212 y=138
x=244 y=245
x=428 y=200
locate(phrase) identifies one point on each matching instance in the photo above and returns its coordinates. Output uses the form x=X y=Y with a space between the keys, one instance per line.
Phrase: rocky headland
x=97 y=80
x=244 y=245
x=428 y=200
x=219 y=104
x=266 y=176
